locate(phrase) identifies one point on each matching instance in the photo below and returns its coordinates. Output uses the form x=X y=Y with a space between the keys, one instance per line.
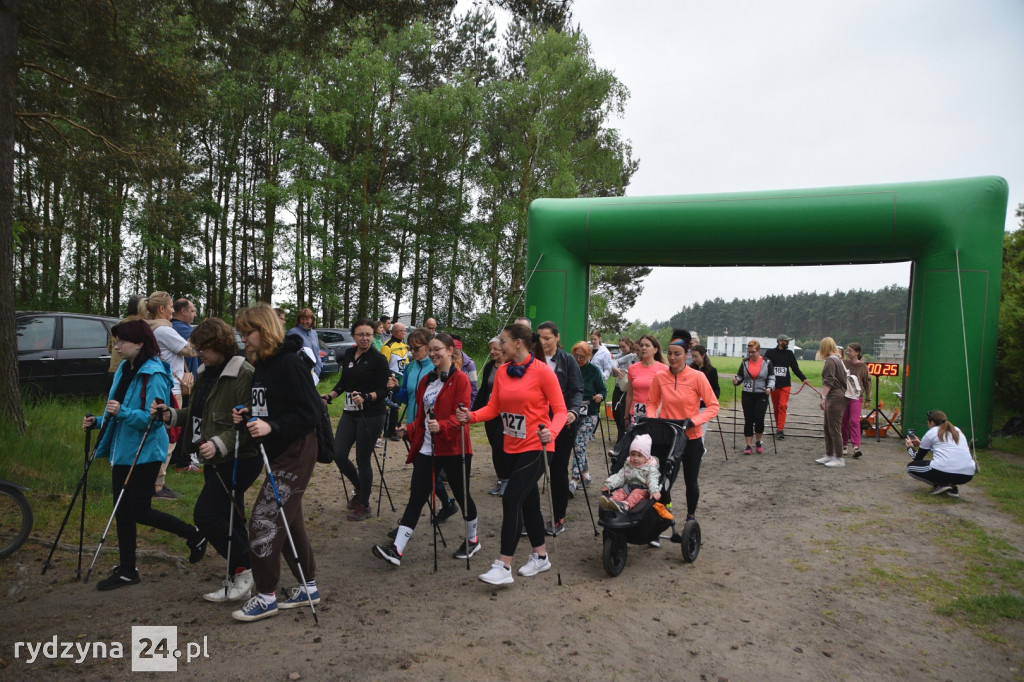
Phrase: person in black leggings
x=363 y=380
x=499 y=460
x=436 y=442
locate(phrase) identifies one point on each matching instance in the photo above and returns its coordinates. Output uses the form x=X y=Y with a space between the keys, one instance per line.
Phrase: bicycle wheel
x=15 y=520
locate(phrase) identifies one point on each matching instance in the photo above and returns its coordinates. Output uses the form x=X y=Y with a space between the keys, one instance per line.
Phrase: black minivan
x=63 y=354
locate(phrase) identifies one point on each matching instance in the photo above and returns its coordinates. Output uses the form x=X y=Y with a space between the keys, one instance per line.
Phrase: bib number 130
x=514 y=425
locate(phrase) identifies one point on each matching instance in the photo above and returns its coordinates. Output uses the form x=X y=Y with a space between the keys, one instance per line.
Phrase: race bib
x=513 y=425
x=639 y=409
x=197 y=428
x=349 y=403
x=748 y=385
x=781 y=371
x=259 y=401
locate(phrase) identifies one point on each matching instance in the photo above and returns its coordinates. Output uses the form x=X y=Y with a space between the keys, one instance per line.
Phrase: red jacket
x=446 y=442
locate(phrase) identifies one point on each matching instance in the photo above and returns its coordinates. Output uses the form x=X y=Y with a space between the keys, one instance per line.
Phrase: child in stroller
x=638 y=480
x=644 y=520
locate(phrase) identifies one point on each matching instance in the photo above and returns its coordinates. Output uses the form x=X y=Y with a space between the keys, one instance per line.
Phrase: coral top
x=524 y=403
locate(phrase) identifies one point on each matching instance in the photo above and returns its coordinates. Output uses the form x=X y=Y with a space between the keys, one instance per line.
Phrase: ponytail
x=946 y=428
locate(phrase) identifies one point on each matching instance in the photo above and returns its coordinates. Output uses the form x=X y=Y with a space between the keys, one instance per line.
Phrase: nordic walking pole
x=82 y=482
x=586 y=496
x=231 y=511
x=604 y=444
x=723 y=438
x=771 y=422
x=465 y=484
x=376 y=460
x=120 y=495
x=551 y=503
x=734 y=415
x=287 y=530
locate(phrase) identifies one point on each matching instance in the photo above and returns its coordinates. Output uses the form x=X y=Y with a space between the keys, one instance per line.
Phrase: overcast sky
x=750 y=96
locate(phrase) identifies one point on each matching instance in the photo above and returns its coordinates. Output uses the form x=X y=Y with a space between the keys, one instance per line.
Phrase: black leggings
x=423 y=480
x=355 y=427
x=522 y=499
x=496 y=439
x=135 y=508
x=754 y=407
x=564 y=448
x=213 y=508
x=921 y=469
x=692 y=456
x=619 y=412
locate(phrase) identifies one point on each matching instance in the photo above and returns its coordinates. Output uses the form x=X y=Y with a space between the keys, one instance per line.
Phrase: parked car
x=330 y=360
x=338 y=340
x=63 y=354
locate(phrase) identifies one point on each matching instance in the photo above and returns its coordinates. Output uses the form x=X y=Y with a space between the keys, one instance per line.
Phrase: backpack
x=853 y=390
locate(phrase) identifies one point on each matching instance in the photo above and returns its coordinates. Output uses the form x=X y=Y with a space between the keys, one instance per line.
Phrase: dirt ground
x=781 y=589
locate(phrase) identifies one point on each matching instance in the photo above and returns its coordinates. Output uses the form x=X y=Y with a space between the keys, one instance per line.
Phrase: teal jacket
x=124 y=432
x=414 y=372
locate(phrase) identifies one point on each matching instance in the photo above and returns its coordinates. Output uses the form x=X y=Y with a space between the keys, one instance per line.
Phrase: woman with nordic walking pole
x=229 y=457
x=758 y=379
x=284 y=415
x=437 y=441
x=364 y=381
x=137 y=448
x=524 y=394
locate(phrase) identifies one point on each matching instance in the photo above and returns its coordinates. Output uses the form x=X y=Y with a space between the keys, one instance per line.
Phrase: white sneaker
x=239 y=587
x=535 y=565
x=824 y=460
x=836 y=462
x=498 y=575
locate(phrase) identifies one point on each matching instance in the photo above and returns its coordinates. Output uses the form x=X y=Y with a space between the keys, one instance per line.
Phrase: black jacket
x=486 y=377
x=368 y=374
x=571 y=382
x=282 y=387
x=782 y=362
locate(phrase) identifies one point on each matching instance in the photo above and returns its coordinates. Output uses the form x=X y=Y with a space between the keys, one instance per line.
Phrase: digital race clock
x=884 y=369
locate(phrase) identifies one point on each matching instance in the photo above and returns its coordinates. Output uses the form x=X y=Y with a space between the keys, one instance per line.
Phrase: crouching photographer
x=952 y=462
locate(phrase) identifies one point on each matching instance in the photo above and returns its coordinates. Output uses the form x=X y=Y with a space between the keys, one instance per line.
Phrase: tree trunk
x=10 y=396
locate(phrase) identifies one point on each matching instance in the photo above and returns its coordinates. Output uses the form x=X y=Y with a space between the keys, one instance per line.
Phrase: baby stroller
x=643 y=523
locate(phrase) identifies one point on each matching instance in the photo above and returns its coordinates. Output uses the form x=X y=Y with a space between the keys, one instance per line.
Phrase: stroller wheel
x=615 y=551
x=691 y=541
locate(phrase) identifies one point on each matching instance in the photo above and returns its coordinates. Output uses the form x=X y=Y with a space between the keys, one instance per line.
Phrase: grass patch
x=985 y=610
x=1003 y=481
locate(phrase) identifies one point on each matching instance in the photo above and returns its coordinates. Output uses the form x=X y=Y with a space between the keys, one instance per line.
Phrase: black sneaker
x=557 y=530
x=857 y=454
x=448 y=511
x=197 y=549
x=389 y=554
x=780 y=435
x=953 y=492
x=460 y=553
x=166 y=493
x=393 y=533
x=118 y=578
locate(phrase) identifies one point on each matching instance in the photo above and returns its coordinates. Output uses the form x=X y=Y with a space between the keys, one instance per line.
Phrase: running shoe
x=535 y=565
x=389 y=554
x=857 y=453
x=824 y=460
x=780 y=434
x=460 y=553
x=573 y=485
x=939 y=489
x=360 y=512
x=256 y=609
x=748 y=451
x=500 y=574
x=836 y=462
x=298 y=598
x=760 y=448
x=118 y=578
x=557 y=530
x=239 y=587
x=498 y=488
x=655 y=543
x=448 y=511
x=955 y=492
x=166 y=493
x=354 y=500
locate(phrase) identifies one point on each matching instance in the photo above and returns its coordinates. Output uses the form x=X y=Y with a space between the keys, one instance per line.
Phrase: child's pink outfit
x=631 y=485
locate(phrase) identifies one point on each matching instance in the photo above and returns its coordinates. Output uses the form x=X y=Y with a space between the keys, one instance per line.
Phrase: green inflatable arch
x=951 y=230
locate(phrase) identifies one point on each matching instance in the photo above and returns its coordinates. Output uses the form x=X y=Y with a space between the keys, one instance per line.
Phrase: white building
x=736 y=346
x=890 y=347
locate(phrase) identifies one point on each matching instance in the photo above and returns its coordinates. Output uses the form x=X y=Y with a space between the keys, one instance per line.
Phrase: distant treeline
x=847 y=316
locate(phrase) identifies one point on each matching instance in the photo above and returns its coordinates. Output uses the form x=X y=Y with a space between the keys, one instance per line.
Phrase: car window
x=35 y=333
x=331 y=337
x=80 y=332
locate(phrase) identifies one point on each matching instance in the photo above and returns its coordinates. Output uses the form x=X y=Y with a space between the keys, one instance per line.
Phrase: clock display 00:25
x=883 y=369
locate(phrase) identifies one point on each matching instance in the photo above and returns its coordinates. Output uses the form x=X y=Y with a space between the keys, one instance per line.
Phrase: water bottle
x=910 y=450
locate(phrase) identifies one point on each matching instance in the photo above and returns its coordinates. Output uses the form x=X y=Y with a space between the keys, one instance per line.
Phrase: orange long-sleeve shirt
x=522 y=403
x=678 y=396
